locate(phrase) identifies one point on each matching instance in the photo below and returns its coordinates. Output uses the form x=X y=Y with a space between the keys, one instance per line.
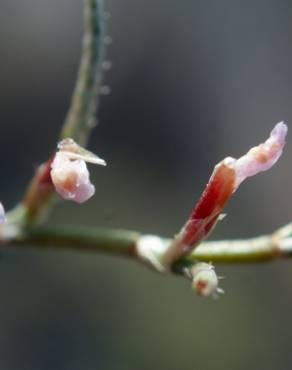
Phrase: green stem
x=82 y=239
x=81 y=116
x=124 y=243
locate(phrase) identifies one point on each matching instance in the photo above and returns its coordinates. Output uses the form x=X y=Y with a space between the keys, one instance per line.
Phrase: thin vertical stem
x=84 y=102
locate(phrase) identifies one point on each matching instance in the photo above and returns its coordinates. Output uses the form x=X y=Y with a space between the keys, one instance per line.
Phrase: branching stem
x=124 y=243
x=22 y=228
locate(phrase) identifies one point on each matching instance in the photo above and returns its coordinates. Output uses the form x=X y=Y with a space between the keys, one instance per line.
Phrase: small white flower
x=69 y=172
x=204 y=280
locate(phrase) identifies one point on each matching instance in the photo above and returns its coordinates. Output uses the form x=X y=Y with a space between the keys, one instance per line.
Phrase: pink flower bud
x=226 y=177
x=69 y=172
x=71 y=178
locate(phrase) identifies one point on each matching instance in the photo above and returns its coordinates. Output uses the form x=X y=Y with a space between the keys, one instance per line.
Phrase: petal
x=75 y=151
x=262 y=157
x=71 y=178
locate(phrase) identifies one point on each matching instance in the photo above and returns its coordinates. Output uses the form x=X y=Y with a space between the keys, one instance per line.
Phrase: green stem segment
x=124 y=243
x=82 y=239
x=81 y=115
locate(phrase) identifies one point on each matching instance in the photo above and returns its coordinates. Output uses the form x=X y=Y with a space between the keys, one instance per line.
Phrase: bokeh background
x=192 y=82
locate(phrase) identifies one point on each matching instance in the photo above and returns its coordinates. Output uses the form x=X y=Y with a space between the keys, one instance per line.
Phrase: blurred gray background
x=192 y=82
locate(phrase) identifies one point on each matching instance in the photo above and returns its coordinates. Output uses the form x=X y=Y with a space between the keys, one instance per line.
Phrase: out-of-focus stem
x=81 y=116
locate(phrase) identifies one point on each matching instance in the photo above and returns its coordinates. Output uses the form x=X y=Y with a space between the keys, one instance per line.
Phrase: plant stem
x=81 y=115
x=82 y=239
x=124 y=243
x=19 y=230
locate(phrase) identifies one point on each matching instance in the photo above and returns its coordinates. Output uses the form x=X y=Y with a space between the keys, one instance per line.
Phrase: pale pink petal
x=71 y=178
x=260 y=158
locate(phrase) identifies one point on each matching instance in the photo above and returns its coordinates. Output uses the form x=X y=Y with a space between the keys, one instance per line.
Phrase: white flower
x=69 y=172
x=204 y=280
